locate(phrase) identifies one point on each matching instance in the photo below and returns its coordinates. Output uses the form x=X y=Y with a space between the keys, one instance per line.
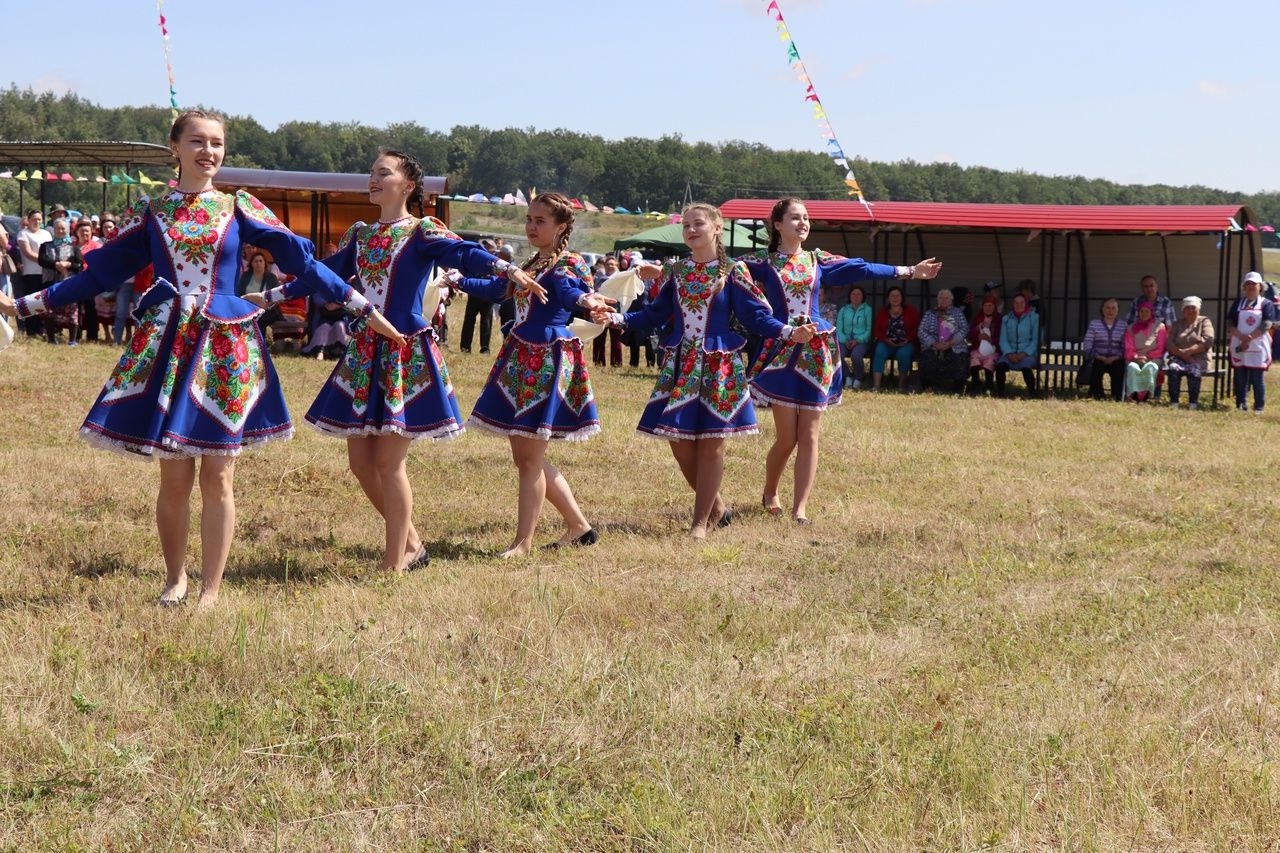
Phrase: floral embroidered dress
x=379 y=387
x=539 y=387
x=196 y=378
x=702 y=389
x=808 y=375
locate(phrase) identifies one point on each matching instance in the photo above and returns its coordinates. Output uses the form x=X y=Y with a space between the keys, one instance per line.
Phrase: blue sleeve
x=575 y=281
x=493 y=289
x=750 y=305
x=837 y=271
x=343 y=261
x=447 y=249
x=293 y=254
x=1035 y=336
x=657 y=312
x=118 y=259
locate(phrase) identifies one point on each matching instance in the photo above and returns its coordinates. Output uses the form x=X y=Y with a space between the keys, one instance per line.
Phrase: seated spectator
x=328 y=334
x=1103 y=344
x=853 y=330
x=257 y=278
x=1143 y=352
x=944 y=345
x=895 y=332
x=1163 y=311
x=1189 y=345
x=1019 y=345
x=984 y=345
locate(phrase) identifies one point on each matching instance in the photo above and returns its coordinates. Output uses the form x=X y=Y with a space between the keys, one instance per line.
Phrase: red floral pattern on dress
x=377 y=248
x=232 y=370
x=193 y=226
x=574 y=384
x=527 y=376
x=257 y=211
x=355 y=373
x=405 y=371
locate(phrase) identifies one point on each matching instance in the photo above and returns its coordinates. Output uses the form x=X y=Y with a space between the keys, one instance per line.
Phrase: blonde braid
x=726 y=268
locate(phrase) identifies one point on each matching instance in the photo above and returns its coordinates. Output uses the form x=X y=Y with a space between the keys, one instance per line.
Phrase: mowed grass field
x=1015 y=625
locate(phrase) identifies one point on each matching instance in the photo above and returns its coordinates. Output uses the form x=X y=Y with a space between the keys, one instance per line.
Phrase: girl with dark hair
x=538 y=390
x=385 y=394
x=196 y=381
x=702 y=397
x=799 y=381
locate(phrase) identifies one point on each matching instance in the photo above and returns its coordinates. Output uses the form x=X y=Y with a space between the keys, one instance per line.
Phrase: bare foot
x=771 y=504
x=572 y=533
x=698 y=531
x=174 y=593
x=208 y=600
x=517 y=549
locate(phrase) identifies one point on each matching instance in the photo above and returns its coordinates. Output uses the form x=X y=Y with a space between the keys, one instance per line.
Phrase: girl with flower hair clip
x=385 y=394
x=538 y=390
x=195 y=381
x=702 y=395
x=799 y=380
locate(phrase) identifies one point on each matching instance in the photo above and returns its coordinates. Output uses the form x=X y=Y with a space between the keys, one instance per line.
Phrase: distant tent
x=577 y=205
x=508 y=199
x=669 y=240
x=521 y=201
x=622 y=210
x=591 y=208
x=607 y=210
x=675 y=219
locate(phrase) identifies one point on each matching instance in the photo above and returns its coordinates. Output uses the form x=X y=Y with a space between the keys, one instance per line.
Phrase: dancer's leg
x=217 y=522
x=560 y=496
x=362 y=459
x=785 y=422
x=529 y=456
x=389 y=454
x=808 y=428
x=710 y=456
x=173 y=522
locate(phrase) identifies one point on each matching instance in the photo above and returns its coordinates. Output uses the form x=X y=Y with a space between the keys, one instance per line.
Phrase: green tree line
x=635 y=172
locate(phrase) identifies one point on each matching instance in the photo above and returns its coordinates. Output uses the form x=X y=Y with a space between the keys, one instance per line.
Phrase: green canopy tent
x=669 y=240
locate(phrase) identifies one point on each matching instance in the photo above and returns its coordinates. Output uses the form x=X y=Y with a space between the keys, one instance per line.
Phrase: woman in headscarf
x=1143 y=352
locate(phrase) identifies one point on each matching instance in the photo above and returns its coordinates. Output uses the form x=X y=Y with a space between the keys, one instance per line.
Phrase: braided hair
x=412 y=171
x=562 y=212
x=775 y=216
x=725 y=268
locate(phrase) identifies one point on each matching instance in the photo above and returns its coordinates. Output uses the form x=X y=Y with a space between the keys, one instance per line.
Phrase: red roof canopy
x=1054 y=217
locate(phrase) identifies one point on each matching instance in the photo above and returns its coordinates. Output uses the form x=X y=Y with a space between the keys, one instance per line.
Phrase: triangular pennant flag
x=66 y=176
x=115 y=179
x=8 y=173
x=772 y=8
x=82 y=178
x=143 y=179
x=100 y=179
x=37 y=175
x=1235 y=226
x=21 y=176
x=792 y=52
x=52 y=176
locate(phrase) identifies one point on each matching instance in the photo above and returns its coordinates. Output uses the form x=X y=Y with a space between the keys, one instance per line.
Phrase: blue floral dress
x=539 y=386
x=702 y=389
x=379 y=387
x=196 y=378
x=808 y=375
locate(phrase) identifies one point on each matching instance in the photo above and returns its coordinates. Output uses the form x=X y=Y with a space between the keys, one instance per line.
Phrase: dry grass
x=1046 y=625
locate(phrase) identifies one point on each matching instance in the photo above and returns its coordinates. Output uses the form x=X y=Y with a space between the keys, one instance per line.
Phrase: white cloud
x=53 y=83
x=1219 y=91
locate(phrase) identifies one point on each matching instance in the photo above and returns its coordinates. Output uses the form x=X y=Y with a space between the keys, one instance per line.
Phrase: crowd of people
x=969 y=343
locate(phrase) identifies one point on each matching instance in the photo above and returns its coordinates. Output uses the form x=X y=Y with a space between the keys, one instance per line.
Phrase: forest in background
x=635 y=172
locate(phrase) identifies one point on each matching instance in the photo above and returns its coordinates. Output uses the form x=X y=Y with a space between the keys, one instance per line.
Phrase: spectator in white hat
x=1251 y=319
x=1189 y=344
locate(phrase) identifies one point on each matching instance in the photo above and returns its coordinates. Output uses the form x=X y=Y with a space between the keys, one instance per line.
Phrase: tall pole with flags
x=833 y=148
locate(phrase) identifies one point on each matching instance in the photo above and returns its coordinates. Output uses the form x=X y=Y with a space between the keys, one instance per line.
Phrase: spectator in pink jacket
x=1144 y=344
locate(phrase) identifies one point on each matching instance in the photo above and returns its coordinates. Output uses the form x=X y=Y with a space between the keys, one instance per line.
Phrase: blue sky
x=1135 y=91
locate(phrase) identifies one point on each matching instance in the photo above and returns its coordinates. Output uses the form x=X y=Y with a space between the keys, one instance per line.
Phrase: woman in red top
x=895 y=334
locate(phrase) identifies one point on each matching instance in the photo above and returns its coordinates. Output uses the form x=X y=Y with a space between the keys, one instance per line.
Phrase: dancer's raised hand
x=527 y=283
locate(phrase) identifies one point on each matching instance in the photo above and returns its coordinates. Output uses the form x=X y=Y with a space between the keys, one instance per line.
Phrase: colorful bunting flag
x=168 y=62
x=819 y=112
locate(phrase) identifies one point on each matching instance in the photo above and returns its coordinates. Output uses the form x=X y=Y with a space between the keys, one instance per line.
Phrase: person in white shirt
x=30 y=239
